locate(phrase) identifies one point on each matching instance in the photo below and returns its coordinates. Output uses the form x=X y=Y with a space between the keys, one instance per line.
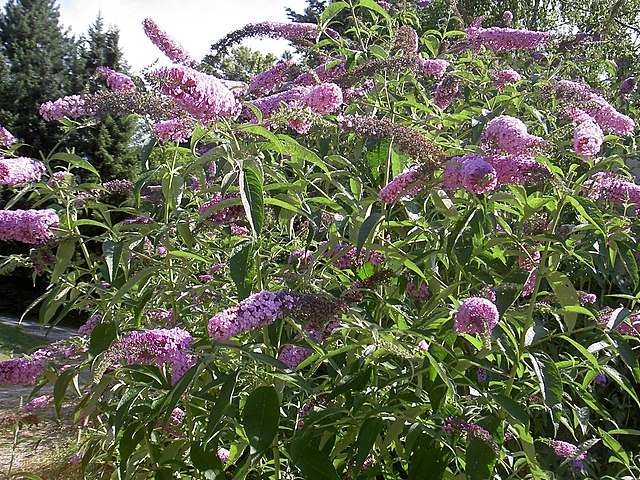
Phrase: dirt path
x=39 y=442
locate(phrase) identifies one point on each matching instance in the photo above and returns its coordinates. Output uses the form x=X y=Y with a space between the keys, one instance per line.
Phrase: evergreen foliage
x=37 y=59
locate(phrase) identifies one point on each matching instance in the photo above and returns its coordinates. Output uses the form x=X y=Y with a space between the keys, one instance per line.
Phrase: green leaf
x=367 y=435
x=516 y=411
x=252 y=195
x=145 y=152
x=274 y=141
x=428 y=460
x=260 y=418
x=617 y=317
x=188 y=256
x=76 y=161
x=312 y=463
x=550 y=380
x=566 y=294
x=112 y=252
x=60 y=388
x=480 y=460
x=240 y=269
x=371 y=5
x=129 y=440
x=64 y=254
x=102 y=337
x=331 y=11
x=366 y=228
x=222 y=403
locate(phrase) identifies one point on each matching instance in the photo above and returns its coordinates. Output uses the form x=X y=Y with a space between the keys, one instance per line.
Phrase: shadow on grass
x=14 y=342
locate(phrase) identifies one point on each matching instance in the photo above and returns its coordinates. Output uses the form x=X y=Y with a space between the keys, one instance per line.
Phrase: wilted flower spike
x=406 y=39
x=408 y=140
x=627 y=87
x=445 y=91
x=167 y=45
x=294 y=32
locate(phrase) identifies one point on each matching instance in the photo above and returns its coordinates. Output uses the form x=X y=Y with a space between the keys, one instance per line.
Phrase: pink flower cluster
x=174 y=130
x=266 y=82
x=417 y=294
x=304 y=256
x=6 y=138
x=458 y=426
x=167 y=45
x=160 y=346
x=115 y=80
x=568 y=450
x=28 y=226
x=434 y=67
x=476 y=315
x=36 y=404
x=504 y=77
x=86 y=329
x=203 y=96
x=292 y=355
x=509 y=135
x=239 y=230
x=15 y=171
x=324 y=98
x=630 y=325
x=594 y=105
x=72 y=106
x=499 y=38
x=587 y=139
x=222 y=215
x=403 y=184
x=480 y=174
x=256 y=311
x=345 y=256
x=609 y=186
x=20 y=371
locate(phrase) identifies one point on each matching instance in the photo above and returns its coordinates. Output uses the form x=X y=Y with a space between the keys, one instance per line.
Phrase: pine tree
x=107 y=144
x=38 y=57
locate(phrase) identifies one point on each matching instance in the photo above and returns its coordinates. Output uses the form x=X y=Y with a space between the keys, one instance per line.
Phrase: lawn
x=14 y=342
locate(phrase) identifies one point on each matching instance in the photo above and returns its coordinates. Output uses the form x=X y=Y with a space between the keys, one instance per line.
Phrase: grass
x=14 y=341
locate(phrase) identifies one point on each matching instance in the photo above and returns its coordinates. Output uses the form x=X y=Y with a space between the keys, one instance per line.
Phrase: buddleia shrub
x=402 y=256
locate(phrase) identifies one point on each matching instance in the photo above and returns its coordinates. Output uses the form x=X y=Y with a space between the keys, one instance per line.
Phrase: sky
x=195 y=24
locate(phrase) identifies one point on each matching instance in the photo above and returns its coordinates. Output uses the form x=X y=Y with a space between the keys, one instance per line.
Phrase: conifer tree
x=107 y=144
x=38 y=55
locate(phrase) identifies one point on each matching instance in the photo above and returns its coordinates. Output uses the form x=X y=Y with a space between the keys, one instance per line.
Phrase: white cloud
x=196 y=24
